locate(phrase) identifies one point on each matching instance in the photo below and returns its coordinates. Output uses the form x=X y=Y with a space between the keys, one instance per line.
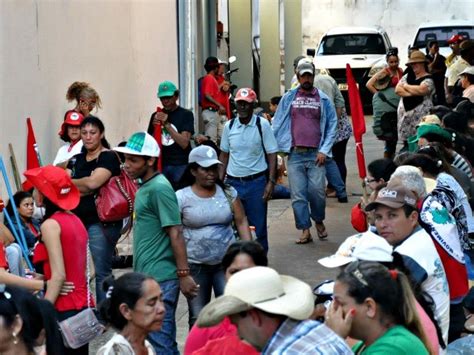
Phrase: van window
x=441 y=34
x=352 y=44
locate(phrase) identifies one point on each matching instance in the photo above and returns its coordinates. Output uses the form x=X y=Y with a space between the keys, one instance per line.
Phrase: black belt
x=303 y=149
x=248 y=177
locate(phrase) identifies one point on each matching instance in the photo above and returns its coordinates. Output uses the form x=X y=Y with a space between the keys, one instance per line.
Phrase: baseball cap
x=72 y=118
x=262 y=288
x=140 y=143
x=246 y=94
x=426 y=129
x=366 y=246
x=305 y=68
x=204 y=156
x=296 y=61
x=393 y=196
x=166 y=88
x=55 y=184
x=455 y=39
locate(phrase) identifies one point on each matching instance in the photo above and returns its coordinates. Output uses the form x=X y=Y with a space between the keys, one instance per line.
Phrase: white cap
x=140 y=143
x=204 y=156
x=366 y=246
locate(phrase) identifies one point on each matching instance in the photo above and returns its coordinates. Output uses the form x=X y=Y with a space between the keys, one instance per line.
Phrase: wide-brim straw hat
x=262 y=288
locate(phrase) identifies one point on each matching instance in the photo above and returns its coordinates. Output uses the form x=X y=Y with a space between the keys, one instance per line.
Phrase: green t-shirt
x=396 y=341
x=156 y=207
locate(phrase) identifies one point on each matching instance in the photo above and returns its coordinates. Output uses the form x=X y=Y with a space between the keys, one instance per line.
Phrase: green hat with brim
x=166 y=88
x=428 y=129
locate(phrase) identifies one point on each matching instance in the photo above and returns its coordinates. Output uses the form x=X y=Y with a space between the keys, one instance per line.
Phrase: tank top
x=74 y=247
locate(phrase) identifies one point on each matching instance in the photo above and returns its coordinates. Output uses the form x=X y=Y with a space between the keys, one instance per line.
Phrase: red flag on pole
x=358 y=120
x=32 y=154
x=157 y=135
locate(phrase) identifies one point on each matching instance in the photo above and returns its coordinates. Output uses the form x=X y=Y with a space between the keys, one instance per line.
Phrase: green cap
x=427 y=129
x=166 y=88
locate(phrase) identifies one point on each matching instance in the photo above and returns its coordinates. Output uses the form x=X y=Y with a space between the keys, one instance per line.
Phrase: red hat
x=73 y=118
x=55 y=184
x=246 y=94
x=455 y=39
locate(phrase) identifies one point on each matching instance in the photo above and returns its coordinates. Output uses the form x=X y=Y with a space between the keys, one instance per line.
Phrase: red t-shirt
x=3 y=259
x=223 y=96
x=74 y=247
x=209 y=87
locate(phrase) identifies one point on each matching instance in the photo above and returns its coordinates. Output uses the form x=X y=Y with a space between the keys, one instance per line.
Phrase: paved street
x=301 y=260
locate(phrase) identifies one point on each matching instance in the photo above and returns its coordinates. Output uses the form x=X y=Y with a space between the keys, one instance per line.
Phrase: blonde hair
x=81 y=90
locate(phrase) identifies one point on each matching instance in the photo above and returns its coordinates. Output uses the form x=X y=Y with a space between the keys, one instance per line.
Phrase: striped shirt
x=461 y=163
x=305 y=337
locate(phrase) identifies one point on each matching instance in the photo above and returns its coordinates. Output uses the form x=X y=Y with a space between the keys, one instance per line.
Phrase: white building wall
x=124 y=48
x=400 y=18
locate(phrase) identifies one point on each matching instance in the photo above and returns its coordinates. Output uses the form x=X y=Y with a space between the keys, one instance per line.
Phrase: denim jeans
x=14 y=257
x=280 y=192
x=164 y=341
x=102 y=241
x=250 y=193
x=173 y=173
x=333 y=175
x=307 y=186
x=208 y=277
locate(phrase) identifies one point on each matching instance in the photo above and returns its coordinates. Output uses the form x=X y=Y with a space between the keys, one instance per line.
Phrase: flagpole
x=19 y=237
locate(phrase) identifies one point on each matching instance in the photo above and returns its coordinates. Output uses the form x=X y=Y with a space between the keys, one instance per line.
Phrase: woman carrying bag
x=91 y=170
x=63 y=246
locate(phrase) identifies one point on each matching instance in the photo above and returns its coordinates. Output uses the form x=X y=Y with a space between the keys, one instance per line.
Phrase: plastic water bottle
x=253 y=233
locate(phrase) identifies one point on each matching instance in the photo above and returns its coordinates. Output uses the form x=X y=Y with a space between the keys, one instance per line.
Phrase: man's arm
x=186 y=283
x=329 y=132
x=224 y=158
x=271 y=159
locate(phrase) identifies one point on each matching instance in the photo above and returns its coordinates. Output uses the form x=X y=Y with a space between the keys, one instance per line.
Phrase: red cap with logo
x=246 y=94
x=72 y=118
x=455 y=39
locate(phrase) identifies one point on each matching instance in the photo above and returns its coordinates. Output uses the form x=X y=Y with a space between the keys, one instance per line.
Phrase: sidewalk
x=300 y=260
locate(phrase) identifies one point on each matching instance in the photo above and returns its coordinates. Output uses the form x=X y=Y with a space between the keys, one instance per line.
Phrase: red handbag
x=116 y=198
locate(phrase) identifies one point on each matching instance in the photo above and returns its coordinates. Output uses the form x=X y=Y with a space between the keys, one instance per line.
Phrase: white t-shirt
x=66 y=152
x=118 y=345
x=421 y=258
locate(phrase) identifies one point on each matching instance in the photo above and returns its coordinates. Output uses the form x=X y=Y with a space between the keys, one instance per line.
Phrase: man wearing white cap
x=305 y=127
x=271 y=312
x=158 y=243
x=248 y=156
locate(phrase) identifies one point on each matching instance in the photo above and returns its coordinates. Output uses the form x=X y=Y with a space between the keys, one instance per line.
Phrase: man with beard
x=305 y=128
x=248 y=156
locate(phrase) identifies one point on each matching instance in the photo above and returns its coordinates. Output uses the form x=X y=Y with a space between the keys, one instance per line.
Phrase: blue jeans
x=208 y=277
x=102 y=241
x=174 y=173
x=333 y=175
x=14 y=257
x=164 y=341
x=280 y=192
x=250 y=193
x=307 y=185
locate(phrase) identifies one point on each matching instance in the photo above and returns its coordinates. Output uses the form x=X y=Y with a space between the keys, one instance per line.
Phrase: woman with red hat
x=63 y=246
x=70 y=132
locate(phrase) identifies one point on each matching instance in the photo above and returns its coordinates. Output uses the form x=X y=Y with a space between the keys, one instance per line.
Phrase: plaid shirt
x=305 y=337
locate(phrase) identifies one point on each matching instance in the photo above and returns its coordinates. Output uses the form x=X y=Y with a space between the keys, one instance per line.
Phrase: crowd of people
x=200 y=222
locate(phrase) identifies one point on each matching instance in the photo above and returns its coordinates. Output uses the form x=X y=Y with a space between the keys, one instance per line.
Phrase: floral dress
x=409 y=119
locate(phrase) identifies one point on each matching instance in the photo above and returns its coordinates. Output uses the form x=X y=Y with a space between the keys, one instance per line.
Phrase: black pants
x=339 y=156
x=456 y=321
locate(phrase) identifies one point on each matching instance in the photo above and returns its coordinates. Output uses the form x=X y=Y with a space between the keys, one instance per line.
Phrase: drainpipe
x=187 y=40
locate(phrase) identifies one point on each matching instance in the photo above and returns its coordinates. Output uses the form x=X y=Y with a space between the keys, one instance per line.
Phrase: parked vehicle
x=364 y=48
x=441 y=32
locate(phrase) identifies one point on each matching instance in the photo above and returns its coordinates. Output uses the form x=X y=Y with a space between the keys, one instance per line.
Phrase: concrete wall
x=400 y=18
x=124 y=48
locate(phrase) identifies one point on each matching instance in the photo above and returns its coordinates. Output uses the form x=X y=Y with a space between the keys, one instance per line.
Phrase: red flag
x=157 y=135
x=358 y=120
x=32 y=153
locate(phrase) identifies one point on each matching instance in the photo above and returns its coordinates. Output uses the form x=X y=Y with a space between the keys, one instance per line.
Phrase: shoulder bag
x=116 y=197
x=82 y=328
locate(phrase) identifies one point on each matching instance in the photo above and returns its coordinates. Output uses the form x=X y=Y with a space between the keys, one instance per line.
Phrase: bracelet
x=183 y=272
x=45 y=285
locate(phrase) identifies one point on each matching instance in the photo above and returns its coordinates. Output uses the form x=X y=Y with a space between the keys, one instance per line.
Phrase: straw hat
x=262 y=288
x=416 y=57
x=382 y=81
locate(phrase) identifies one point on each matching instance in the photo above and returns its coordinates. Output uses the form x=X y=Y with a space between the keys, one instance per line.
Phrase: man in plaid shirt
x=271 y=313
